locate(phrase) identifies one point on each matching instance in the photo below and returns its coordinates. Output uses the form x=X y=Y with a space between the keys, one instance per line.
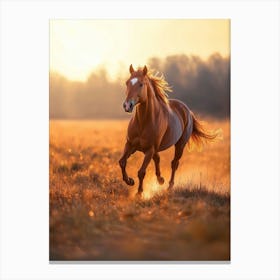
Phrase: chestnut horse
x=157 y=124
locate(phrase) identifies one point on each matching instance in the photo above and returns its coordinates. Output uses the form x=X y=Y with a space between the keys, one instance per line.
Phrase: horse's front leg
x=128 y=151
x=142 y=171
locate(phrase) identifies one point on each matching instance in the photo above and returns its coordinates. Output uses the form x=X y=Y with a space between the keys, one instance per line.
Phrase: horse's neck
x=146 y=112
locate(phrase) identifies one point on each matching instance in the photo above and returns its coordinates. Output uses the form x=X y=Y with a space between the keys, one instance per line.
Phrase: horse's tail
x=200 y=135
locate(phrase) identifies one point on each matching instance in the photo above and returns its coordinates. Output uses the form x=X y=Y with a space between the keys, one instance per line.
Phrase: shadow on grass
x=185 y=193
x=203 y=193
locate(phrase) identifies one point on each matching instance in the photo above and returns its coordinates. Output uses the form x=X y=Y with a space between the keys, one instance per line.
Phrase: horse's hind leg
x=128 y=151
x=156 y=159
x=179 y=148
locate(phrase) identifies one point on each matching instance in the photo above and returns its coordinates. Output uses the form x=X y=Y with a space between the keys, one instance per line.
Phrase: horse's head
x=136 y=91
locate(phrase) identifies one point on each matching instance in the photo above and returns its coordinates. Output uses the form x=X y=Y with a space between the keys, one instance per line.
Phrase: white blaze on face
x=134 y=81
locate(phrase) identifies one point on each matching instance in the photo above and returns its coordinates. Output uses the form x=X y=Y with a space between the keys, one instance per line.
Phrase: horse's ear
x=145 y=70
x=131 y=70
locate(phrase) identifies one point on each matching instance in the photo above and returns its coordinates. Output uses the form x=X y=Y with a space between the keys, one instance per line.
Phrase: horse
x=157 y=124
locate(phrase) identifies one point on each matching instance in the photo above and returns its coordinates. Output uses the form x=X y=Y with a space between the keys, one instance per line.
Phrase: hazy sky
x=77 y=47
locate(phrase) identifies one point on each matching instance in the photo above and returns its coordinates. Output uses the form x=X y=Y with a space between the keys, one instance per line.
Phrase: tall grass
x=95 y=216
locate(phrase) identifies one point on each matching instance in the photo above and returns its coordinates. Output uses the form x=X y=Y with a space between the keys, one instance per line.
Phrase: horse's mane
x=160 y=85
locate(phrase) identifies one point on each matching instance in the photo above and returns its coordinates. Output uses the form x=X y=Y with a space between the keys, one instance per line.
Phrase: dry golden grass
x=94 y=215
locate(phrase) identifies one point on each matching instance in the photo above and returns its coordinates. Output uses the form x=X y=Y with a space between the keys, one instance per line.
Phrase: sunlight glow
x=91 y=213
x=77 y=47
x=152 y=188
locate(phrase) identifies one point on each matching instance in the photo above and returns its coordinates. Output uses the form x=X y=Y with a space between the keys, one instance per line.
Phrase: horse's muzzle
x=128 y=105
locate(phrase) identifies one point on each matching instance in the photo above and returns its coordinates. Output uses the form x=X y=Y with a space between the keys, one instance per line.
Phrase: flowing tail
x=201 y=136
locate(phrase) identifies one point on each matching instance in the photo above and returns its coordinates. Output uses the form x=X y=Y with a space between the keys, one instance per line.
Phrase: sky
x=78 y=47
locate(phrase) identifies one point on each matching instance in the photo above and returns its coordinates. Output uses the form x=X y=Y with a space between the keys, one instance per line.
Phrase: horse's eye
x=141 y=85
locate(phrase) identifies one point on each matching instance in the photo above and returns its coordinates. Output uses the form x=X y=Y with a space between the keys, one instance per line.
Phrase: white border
x=255 y=138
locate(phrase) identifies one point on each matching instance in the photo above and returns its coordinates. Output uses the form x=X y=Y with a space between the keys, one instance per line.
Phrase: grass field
x=94 y=215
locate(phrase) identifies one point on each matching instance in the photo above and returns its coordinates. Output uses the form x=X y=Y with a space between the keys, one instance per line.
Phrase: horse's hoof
x=130 y=181
x=139 y=194
x=160 y=180
x=170 y=188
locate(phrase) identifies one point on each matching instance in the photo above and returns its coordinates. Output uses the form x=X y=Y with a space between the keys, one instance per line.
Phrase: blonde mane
x=160 y=85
